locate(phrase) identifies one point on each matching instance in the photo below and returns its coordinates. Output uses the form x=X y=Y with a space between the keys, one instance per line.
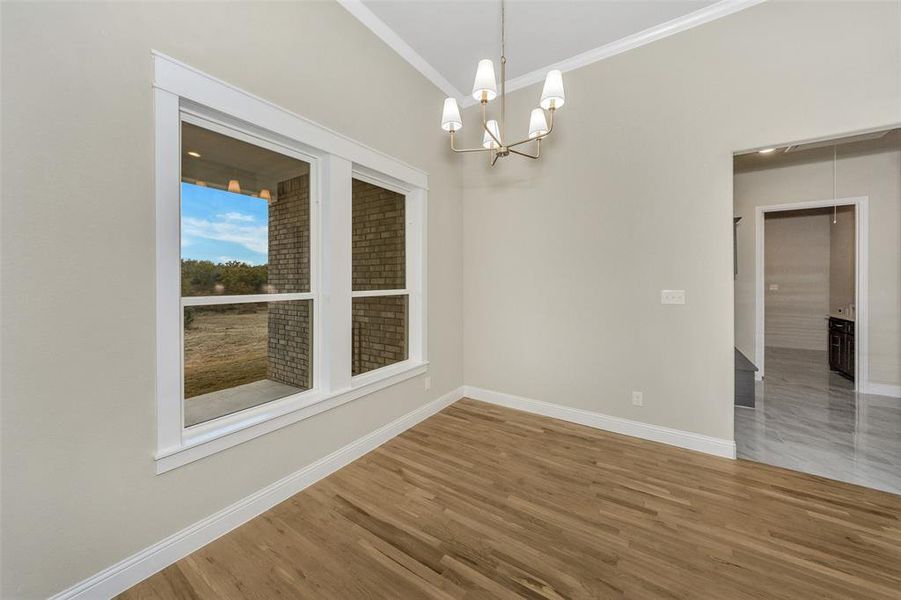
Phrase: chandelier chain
x=503 y=128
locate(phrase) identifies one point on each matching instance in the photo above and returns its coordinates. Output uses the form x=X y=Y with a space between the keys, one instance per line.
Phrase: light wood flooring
x=485 y=502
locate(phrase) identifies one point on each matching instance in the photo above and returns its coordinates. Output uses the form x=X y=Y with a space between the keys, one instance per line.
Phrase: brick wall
x=379 y=332
x=290 y=346
x=378 y=238
x=379 y=263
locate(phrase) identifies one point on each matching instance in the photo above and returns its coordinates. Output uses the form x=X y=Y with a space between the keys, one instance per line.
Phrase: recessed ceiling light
x=194 y=154
x=765 y=151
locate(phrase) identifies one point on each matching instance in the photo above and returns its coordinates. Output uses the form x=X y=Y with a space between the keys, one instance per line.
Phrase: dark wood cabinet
x=841 y=346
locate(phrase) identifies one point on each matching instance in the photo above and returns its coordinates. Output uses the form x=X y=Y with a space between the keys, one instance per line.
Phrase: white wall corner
x=674 y=437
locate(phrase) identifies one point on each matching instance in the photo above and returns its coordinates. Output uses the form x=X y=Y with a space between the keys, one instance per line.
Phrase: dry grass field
x=225 y=349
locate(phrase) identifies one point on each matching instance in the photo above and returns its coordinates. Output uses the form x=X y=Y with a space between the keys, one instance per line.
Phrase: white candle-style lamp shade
x=487 y=140
x=234 y=187
x=552 y=95
x=485 y=82
x=450 y=117
x=537 y=123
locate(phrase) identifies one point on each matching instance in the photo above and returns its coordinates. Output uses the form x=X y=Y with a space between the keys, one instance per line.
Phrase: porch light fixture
x=484 y=90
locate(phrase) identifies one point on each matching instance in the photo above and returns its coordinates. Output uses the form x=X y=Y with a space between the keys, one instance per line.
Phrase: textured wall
x=379 y=263
x=290 y=344
x=379 y=332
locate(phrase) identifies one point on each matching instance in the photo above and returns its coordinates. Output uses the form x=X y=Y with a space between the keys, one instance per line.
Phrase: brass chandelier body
x=484 y=90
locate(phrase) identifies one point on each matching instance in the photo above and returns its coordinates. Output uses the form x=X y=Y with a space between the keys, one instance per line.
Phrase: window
x=379 y=277
x=245 y=234
x=290 y=267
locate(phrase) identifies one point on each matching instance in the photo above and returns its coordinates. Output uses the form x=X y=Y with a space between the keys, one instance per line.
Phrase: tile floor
x=810 y=419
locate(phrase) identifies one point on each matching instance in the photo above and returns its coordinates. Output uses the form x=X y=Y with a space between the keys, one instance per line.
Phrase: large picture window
x=290 y=267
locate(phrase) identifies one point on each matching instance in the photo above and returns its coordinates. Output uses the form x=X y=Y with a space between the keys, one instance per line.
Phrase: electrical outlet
x=774 y=287
x=428 y=383
x=672 y=296
x=637 y=398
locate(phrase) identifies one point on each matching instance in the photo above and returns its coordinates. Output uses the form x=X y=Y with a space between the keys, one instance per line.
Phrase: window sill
x=208 y=438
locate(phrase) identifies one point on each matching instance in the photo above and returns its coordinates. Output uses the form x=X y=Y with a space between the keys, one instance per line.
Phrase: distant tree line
x=206 y=278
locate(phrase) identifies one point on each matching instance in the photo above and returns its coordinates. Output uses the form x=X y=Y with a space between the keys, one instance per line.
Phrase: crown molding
x=388 y=35
x=710 y=13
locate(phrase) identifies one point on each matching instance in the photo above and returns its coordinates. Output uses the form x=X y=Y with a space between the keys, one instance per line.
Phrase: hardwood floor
x=481 y=501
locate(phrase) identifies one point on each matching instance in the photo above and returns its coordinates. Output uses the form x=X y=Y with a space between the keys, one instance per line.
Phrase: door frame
x=861 y=277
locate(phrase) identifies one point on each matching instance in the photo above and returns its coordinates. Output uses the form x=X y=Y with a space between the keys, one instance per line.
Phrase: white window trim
x=183 y=93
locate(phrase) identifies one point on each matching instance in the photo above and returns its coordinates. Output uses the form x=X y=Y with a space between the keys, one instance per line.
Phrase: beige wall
x=564 y=258
x=78 y=425
x=796 y=279
x=842 y=259
x=864 y=169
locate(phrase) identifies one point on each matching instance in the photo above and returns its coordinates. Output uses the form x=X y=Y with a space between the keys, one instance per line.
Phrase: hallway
x=810 y=419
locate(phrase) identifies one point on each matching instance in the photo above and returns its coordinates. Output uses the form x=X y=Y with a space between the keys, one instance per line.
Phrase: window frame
x=183 y=94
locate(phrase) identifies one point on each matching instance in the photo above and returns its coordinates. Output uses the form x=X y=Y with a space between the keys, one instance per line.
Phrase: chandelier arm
x=461 y=150
x=485 y=125
x=535 y=156
x=494 y=158
x=550 y=128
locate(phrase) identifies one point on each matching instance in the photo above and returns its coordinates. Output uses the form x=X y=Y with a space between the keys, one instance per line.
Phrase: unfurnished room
x=340 y=299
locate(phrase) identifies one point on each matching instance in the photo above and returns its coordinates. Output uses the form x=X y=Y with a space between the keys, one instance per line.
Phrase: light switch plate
x=672 y=296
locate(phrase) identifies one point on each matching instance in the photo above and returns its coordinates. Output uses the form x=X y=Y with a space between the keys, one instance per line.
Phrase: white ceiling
x=445 y=39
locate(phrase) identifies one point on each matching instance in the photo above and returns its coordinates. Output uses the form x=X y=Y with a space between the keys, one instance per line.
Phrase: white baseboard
x=136 y=568
x=655 y=433
x=884 y=389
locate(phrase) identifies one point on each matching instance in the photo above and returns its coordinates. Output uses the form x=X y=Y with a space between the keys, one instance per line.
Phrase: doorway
x=820 y=249
x=817 y=260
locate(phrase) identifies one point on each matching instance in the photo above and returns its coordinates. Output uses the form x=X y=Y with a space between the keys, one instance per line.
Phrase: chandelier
x=484 y=90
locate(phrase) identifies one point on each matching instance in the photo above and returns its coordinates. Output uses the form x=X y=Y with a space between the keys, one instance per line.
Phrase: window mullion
x=335 y=256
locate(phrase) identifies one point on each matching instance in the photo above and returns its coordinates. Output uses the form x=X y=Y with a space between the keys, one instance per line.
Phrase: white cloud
x=237 y=216
x=253 y=237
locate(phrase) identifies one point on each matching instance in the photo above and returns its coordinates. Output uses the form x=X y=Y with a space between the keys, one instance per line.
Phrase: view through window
x=380 y=298
x=245 y=237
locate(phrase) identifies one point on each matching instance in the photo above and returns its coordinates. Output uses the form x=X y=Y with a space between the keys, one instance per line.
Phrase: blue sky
x=220 y=226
